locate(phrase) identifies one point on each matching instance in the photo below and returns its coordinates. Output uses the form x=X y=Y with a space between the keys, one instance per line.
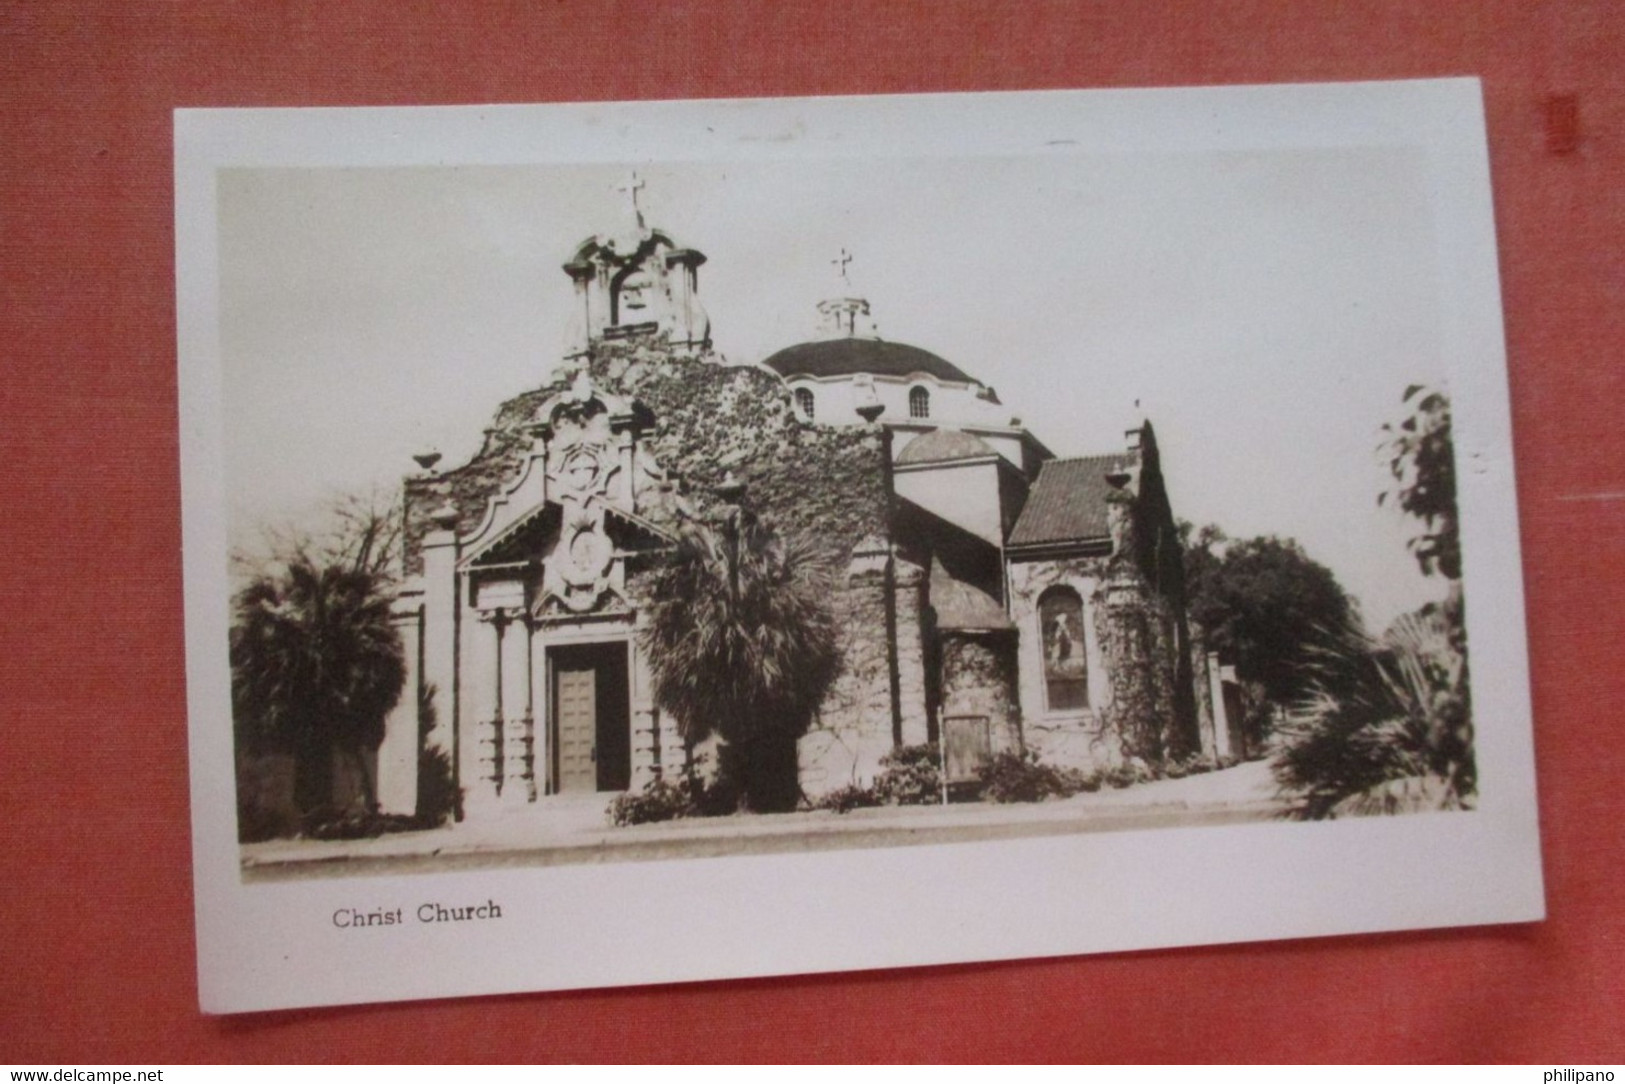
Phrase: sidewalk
x=575 y=830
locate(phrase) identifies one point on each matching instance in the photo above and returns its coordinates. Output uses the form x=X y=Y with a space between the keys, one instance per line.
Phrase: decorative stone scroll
x=590 y=438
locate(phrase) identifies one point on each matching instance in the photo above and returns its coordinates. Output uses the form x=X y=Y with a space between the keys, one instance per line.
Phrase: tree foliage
x=743 y=646
x=361 y=531
x=1394 y=733
x=316 y=666
x=1396 y=738
x=1421 y=457
x=1267 y=606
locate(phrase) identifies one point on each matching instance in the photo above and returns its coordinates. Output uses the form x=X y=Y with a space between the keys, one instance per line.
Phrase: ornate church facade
x=992 y=597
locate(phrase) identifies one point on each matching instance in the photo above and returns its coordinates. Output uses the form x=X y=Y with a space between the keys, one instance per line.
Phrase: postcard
x=649 y=542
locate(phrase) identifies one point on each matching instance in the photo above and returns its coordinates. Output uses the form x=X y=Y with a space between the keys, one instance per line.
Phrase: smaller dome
x=945 y=446
x=847 y=357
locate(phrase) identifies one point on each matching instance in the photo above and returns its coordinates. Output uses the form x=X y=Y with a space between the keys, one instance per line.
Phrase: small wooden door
x=969 y=746
x=577 y=715
x=592 y=732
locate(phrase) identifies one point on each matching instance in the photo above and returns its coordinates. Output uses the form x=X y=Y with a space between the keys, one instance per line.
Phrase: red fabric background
x=96 y=949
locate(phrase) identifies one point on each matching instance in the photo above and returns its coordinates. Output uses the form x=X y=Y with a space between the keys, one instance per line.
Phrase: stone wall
x=829 y=485
x=1081 y=739
x=856 y=726
x=1137 y=707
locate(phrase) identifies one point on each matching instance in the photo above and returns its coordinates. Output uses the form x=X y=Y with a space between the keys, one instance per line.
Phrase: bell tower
x=635 y=282
x=845 y=316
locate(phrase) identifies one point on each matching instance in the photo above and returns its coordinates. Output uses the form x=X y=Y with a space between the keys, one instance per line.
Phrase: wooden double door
x=591 y=718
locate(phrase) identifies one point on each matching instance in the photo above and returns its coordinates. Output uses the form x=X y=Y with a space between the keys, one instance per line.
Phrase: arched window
x=1066 y=672
x=919 y=403
x=804 y=402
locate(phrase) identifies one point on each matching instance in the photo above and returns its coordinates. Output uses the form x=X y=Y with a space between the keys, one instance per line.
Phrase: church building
x=992 y=597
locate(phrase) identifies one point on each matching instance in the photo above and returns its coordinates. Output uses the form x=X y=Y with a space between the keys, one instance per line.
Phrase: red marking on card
x=1562 y=124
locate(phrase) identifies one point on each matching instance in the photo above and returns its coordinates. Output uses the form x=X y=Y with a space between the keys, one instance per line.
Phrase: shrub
x=1120 y=776
x=658 y=801
x=846 y=799
x=334 y=824
x=439 y=796
x=1193 y=764
x=910 y=775
x=258 y=822
x=1019 y=777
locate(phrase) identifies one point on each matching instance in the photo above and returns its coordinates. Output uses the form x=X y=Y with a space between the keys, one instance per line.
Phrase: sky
x=1264 y=309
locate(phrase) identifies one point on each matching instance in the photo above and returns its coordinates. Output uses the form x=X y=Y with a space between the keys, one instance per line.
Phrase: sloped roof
x=1067 y=502
x=945 y=446
x=844 y=357
x=961 y=606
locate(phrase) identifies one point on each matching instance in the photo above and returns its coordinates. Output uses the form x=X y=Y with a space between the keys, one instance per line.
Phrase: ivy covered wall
x=827 y=484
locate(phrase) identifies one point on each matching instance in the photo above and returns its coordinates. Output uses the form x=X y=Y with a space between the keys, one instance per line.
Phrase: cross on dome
x=840 y=263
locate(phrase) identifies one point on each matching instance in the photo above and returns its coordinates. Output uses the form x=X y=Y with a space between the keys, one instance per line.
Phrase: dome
x=849 y=356
x=945 y=446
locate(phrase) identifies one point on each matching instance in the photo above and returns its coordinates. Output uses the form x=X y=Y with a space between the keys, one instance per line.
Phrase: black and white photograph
x=658 y=541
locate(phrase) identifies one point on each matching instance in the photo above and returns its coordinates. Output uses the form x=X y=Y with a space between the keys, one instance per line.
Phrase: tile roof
x=962 y=606
x=944 y=446
x=1067 y=502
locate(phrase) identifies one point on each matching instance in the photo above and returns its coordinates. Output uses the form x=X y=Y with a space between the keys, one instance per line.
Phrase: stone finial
x=445 y=517
x=1120 y=519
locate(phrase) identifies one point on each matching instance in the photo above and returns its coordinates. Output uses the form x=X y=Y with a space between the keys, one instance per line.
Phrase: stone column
x=541 y=707
x=518 y=776
x=482 y=694
x=648 y=747
x=674 y=753
x=1127 y=639
x=397 y=778
x=1201 y=689
x=1220 y=717
x=908 y=588
x=440 y=632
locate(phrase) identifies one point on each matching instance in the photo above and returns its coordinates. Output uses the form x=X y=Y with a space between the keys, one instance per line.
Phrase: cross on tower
x=631 y=186
x=840 y=263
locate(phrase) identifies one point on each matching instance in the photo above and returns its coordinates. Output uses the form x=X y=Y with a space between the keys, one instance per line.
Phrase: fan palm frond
x=1393 y=734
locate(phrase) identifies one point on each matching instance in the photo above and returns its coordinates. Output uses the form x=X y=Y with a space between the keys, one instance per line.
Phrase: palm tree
x=316 y=665
x=1389 y=728
x=1397 y=737
x=744 y=647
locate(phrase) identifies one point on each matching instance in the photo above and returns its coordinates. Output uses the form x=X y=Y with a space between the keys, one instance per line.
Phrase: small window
x=804 y=402
x=919 y=403
x=1066 y=677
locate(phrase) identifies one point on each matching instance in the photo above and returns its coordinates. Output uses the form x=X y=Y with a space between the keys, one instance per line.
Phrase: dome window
x=919 y=403
x=804 y=402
